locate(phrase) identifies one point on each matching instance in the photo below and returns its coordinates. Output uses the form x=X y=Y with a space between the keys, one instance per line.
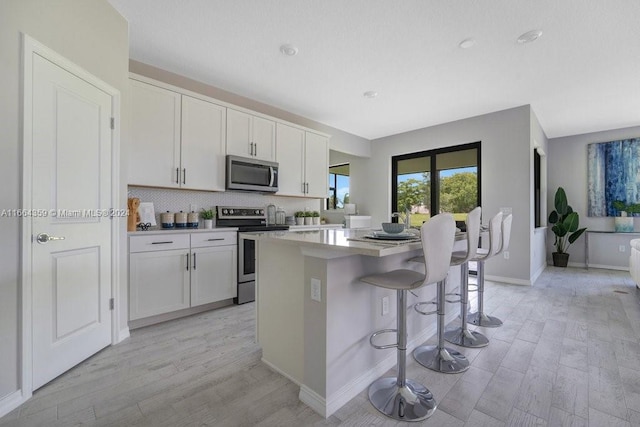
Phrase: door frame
x=30 y=47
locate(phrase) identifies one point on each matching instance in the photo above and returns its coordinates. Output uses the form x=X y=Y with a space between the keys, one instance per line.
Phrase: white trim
x=281 y=372
x=538 y=273
x=313 y=400
x=11 y=402
x=604 y=266
x=509 y=280
x=30 y=47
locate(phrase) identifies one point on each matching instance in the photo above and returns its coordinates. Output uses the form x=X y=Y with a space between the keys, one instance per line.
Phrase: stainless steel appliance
x=251 y=175
x=246 y=219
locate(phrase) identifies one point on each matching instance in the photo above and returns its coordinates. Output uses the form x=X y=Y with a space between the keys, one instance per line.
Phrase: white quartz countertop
x=180 y=230
x=340 y=240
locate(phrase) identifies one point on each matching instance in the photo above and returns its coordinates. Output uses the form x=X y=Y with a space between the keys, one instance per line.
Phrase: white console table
x=609 y=243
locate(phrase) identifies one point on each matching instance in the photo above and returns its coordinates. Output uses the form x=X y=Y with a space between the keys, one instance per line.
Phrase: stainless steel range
x=246 y=219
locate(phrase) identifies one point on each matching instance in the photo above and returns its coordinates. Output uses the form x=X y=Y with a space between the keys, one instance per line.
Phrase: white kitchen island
x=324 y=345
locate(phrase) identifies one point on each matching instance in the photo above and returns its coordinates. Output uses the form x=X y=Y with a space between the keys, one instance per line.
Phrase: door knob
x=43 y=238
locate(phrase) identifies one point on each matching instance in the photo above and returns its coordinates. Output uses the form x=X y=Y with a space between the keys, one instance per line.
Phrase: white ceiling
x=582 y=75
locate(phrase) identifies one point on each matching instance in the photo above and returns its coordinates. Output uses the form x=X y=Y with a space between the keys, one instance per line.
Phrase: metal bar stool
x=499 y=235
x=398 y=397
x=462 y=336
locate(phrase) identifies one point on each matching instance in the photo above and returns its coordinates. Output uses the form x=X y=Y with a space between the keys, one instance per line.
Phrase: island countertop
x=349 y=241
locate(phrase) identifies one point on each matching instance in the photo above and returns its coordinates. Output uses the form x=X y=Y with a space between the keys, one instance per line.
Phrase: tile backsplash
x=181 y=200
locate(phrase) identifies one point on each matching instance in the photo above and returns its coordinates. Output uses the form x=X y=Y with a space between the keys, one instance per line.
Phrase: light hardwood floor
x=568 y=354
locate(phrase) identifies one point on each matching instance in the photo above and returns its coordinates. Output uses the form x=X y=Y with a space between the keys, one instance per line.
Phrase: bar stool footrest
x=425 y=313
x=380 y=332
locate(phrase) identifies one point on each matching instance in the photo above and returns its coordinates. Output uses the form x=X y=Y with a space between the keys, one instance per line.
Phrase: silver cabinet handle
x=187 y=262
x=251 y=149
x=255 y=149
x=184 y=175
x=194 y=260
x=43 y=238
x=306 y=187
x=303 y=188
x=162 y=243
x=214 y=240
x=177 y=175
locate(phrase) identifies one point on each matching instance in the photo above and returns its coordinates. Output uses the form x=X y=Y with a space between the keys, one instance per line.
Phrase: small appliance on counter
x=357 y=221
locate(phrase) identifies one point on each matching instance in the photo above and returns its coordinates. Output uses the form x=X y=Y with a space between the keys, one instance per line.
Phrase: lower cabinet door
x=158 y=282
x=213 y=274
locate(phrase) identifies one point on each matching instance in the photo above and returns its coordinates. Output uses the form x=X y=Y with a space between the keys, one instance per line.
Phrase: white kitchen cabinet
x=303 y=159
x=154 y=150
x=173 y=271
x=202 y=144
x=158 y=282
x=177 y=140
x=250 y=136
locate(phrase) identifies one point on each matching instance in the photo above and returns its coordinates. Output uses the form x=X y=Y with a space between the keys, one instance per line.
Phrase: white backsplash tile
x=180 y=200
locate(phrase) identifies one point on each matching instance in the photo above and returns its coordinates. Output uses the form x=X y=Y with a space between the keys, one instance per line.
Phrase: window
x=338 y=186
x=537 y=184
x=442 y=180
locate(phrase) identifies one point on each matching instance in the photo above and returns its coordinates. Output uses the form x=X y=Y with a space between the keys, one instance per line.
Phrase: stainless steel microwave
x=251 y=175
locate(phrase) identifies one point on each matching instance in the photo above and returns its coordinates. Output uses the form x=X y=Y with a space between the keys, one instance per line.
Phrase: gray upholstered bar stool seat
x=462 y=336
x=499 y=235
x=398 y=397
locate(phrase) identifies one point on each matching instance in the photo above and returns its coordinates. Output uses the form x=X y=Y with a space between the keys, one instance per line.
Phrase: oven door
x=246 y=260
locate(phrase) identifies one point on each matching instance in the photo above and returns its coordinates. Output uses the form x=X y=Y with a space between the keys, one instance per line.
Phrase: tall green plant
x=565 y=222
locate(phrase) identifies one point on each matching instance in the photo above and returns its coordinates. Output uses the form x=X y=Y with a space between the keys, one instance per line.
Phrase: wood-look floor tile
x=571 y=391
x=560 y=418
x=535 y=394
x=500 y=394
x=574 y=354
x=606 y=392
x=519 y=356
x=479 y=419
x=599 y=418
x=519 y=418
x=631 y=385
x=462 y=397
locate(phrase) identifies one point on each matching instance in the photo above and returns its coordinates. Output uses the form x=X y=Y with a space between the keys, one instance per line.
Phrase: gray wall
x=568 y=169
x=91 y=34
x=506 y=176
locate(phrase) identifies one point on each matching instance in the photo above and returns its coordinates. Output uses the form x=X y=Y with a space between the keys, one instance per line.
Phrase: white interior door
x=71 y=181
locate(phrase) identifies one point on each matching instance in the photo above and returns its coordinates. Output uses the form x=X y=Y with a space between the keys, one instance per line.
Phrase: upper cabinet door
x=317 y=165
x=250 y=136
x=290 y=157
x=264 y=139
x=154 y=150
x=203 y=144
x=239 y=141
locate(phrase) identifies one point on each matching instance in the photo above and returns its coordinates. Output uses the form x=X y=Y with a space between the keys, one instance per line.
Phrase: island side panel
x=280 y=307
x=354 y=312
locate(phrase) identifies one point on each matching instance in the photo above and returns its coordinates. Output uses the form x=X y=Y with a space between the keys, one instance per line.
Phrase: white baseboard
x=509 y=280
x=538 y=273
x=11 y=402
x=608 y=267
x=122 y=335
x=313 y=400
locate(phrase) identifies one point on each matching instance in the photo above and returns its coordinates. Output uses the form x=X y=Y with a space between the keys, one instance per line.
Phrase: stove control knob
x=261 y=211
x=224 y=211
x=257 y=212
x=231 y=211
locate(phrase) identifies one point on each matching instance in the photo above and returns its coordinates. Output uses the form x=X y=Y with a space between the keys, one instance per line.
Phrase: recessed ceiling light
x=370 y=94
x=467 y=43
x=289 y=49
x=529 y=36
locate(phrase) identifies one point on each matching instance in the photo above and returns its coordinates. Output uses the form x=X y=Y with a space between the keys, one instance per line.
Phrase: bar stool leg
x=462 y=336
x=401 y=398
x=438 y=357
x=479 y=318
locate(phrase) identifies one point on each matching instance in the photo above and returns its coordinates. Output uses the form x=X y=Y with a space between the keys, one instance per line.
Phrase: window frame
x=435 y=179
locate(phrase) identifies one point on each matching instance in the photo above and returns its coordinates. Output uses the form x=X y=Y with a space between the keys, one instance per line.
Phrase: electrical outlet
x=385 y=306
x=506 y=254
x=316 y=290
x=622 y=248
x=193 y=208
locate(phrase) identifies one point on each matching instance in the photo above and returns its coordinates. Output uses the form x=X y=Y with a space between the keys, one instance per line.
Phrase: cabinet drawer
x=201 y=240
x=160 y=242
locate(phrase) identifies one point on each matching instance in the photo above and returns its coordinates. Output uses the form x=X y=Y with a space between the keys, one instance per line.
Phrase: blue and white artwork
x=613 y=174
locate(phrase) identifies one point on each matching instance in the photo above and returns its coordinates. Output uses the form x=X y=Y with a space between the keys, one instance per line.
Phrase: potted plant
x=308 y=218
x=207 y=217
x=299 y=217
x=624 y=223
x=316 y=217
x=565 y=227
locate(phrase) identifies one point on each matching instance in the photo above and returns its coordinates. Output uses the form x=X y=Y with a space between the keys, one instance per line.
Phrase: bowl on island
x=392 y=227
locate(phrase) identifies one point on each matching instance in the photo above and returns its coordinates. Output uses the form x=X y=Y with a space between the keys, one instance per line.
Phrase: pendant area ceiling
x=581 y=75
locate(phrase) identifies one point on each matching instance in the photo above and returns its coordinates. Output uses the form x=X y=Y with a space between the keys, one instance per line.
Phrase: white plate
x=381 y=235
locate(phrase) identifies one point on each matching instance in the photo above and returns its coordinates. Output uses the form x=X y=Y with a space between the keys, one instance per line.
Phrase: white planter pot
x=208 y=223
x=308 y=220
x=316 y=220
x=299 y=220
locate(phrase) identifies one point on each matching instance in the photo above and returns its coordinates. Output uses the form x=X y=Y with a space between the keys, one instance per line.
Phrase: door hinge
x=111 y=304
x=113 y=123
